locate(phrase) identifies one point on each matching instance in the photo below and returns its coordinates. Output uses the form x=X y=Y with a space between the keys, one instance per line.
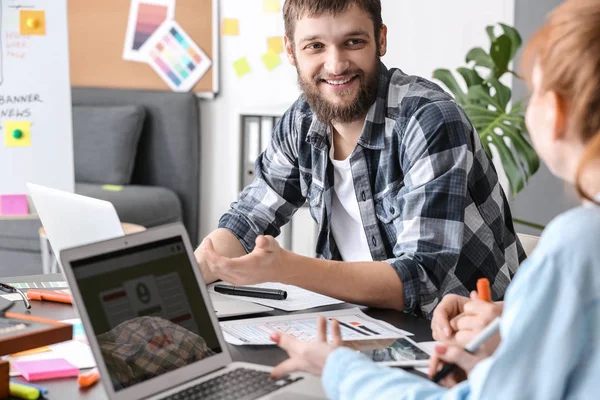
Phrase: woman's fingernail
x=440 y=349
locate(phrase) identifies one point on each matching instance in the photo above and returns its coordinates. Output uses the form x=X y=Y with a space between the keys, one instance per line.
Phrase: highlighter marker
x=43 y=390
x=483 y=290
x=23 y=392
x=48 y=295
x=87 y=379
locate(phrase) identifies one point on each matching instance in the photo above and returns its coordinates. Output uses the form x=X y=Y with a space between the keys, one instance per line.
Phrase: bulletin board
x=36 y=142
x=97 y=31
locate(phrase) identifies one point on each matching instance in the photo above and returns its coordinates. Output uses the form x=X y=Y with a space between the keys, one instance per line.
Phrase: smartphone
x=402 y=352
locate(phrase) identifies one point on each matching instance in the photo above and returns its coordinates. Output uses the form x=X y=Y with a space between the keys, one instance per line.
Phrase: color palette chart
x=149 y=18
x=175 y=57
x=145 y=17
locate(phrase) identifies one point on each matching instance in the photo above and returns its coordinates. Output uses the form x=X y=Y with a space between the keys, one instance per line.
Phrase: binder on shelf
x=256 y=133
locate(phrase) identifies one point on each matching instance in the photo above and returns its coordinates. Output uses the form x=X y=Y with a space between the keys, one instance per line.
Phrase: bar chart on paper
x=354 y=324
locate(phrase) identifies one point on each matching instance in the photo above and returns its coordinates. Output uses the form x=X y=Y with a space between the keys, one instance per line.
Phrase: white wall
x=422 y=36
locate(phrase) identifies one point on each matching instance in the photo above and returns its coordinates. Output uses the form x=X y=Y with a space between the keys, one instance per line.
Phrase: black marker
x=261 y=293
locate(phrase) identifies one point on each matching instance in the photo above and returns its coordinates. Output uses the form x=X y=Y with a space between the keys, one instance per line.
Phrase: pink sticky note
x=13 y=204
x=45 y=369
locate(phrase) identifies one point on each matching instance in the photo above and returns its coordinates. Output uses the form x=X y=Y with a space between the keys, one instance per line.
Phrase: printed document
x=354 y=324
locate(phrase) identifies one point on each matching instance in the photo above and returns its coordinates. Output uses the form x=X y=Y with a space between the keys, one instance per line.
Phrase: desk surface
x=271 y=355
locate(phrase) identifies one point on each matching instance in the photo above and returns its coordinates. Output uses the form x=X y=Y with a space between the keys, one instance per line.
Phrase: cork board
x=97 y=36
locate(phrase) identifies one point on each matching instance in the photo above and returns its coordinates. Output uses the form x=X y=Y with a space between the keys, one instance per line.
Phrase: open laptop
x=151 y=326
x=72 y=220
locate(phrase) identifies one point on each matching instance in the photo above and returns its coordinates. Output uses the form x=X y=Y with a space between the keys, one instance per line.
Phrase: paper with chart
x=145 y=17
x=297 y=298
x=355 y=325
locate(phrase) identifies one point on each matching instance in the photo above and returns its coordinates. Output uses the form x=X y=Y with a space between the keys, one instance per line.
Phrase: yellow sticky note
x=32 y=22
x=230 y=27
x=17 y=133
x=271 y=60
x=112 y=188
x=271 y=6
x=241 y=67
x=38 y=350
x=275 y=44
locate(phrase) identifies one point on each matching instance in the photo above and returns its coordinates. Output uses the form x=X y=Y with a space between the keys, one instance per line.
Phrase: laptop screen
x=146 y=309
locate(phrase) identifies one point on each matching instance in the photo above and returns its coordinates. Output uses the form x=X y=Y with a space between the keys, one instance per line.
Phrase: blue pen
x=43 y=390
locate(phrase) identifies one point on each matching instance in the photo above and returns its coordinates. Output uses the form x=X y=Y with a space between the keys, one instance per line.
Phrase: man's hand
x=453 y=354
x=262 y=265
x=450 y=307
x=307 y=356
x=477 y=314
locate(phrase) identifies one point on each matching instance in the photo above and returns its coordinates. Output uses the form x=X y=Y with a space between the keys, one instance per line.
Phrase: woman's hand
x=307 y=356
x=453 y=354
x=477 y=314
x=450 y=307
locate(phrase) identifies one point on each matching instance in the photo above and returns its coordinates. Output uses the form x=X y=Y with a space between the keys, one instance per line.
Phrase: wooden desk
x=271 y=355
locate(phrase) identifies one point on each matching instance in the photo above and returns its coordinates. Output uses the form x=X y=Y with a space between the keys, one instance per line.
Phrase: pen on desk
x=43 y=390
x=87 y=379
x=483 y=290
x=23 y=391
x=49 y=295
x=471 y=347
x=262 y=293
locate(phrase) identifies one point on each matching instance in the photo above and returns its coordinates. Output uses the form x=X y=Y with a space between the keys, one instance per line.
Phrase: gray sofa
x=163 y=185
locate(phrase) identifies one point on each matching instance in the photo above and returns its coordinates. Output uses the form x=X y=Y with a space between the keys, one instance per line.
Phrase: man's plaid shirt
x=428 y=194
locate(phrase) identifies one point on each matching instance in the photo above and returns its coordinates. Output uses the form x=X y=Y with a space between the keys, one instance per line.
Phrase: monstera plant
x=499 y=120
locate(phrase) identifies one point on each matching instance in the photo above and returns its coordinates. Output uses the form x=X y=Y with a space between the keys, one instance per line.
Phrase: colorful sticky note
x=271 y=60
x=230 y=27
x=112 y=188
x=271 y=6
x=14 y=204
x=43 y=349
x=35 y=370
x=241 y=67
x=32 y=22
x=275 y=44
x=17 y=133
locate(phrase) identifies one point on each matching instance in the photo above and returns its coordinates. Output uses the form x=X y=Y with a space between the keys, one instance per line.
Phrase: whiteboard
x=35 y=89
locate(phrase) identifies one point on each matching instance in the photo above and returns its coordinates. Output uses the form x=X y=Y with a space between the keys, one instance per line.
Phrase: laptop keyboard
x=239 y=384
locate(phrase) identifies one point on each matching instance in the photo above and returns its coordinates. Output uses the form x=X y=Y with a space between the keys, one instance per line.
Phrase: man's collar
x=373 y=133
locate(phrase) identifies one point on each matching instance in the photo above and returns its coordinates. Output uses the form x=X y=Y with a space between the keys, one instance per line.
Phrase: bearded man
x=408 y=204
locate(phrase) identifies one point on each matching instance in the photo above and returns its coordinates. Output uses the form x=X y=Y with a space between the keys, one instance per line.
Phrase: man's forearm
x=370 y=283
x=226 y=244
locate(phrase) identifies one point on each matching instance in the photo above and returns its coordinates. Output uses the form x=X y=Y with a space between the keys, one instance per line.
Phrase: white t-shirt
x=346 y=223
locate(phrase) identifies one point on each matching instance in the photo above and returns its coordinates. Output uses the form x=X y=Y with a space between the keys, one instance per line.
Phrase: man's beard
x=329 y=113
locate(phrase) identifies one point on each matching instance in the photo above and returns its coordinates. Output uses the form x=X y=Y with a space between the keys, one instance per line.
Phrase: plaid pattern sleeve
x=145 y=347
x=436 y=156
x=271 y=200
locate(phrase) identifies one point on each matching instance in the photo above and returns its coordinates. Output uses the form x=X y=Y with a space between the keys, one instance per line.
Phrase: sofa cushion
x=105 y=141
x=143 y=205
x=20 y=234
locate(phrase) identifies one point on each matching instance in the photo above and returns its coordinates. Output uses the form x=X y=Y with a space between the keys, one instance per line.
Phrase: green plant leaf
x=481 y=58
x=490 y=31
x=446 y=77
x=470 y=76
x=502 y=94
x=500 y=54
x=515 y=39
x=511 y=168
x=495 y=123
